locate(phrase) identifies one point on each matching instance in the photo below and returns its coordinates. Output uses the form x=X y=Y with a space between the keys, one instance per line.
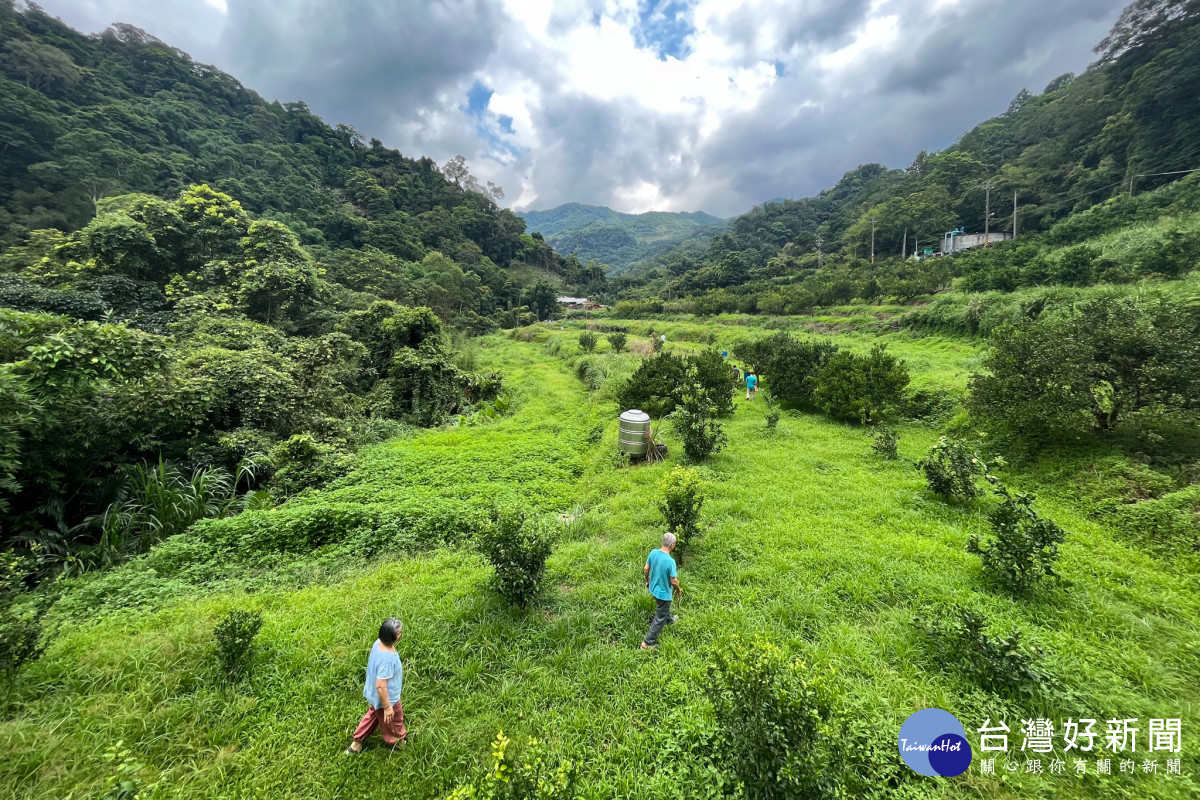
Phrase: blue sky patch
x=663 y=26
x=491 y=127
x=478 y=98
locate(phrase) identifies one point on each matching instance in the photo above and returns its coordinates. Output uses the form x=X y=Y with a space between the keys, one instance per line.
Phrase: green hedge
x=427 y=521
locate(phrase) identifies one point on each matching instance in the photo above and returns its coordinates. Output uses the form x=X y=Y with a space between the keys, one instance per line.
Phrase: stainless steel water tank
x=631 y=438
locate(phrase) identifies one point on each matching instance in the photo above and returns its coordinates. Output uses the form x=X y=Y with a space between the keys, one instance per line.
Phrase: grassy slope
x=813 y=542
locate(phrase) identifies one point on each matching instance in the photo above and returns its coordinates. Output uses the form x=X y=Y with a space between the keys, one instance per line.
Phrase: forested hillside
x=210 y=301
x=616 y=239
x=84 y=118
x=1127 y=125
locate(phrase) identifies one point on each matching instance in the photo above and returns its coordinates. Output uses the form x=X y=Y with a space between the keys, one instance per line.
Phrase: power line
x=1093 y=191
x=1179 y=172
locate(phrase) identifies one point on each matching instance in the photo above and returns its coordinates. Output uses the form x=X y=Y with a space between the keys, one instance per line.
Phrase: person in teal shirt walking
x=751 y=384
x=662 y=580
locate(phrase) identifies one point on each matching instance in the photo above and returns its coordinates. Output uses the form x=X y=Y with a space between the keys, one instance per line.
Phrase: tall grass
x=812 y=542
x=160 y=500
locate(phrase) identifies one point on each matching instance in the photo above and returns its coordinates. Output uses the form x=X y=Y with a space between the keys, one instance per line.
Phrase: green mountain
x=231 y=289
x=84 y=118
x=617 y=239
x=1126 y=124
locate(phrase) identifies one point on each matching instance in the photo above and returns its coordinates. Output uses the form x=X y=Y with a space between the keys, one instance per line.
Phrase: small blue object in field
x=724 y=354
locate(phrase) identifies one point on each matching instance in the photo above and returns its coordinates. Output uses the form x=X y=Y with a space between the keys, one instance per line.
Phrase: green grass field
x=811 y=541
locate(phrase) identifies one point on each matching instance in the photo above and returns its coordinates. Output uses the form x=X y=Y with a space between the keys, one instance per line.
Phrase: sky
x=639 y=105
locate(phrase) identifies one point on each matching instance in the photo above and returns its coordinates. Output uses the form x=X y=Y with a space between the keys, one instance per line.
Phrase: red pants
x=374 y=719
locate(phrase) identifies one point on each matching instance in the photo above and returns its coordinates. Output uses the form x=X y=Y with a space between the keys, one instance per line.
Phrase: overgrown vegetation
x=1004 y=665
x=20 y=619
x=235 y=635
x=952 y=467
x=122 y=434
x=695 y=420
x=1024 y=546
x=772 y=709
x=681 y=502
x=527 y=778
x=517 y=547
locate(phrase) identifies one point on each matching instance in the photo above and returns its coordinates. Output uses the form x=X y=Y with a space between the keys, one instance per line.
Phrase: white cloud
x=766 y=97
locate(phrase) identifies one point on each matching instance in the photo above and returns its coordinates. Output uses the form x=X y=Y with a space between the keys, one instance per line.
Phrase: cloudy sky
x=675 y=105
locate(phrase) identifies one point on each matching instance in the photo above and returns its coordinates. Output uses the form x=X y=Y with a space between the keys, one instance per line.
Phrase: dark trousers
x=662 y=618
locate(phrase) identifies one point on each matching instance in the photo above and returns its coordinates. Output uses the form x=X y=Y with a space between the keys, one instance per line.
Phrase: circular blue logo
x=933 y=742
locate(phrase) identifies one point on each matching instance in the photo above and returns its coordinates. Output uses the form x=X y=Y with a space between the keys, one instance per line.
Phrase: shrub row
x=428 y=521
x=659 y=384
x=817 y=375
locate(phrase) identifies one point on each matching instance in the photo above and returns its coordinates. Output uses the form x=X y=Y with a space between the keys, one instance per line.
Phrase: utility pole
x=872 y=240
x=818 y=252
x=987 y=211
x=904 y=247
x=1014 y=214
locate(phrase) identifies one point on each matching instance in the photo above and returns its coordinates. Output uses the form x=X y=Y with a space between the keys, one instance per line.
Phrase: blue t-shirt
x=751 y=381
x=383 y=664
x=662 y=569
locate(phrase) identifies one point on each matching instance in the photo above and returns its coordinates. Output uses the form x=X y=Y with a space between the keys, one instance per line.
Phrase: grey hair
x=390 y=630
x=668 y=539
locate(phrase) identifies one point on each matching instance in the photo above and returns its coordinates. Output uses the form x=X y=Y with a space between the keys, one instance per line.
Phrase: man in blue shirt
x=662 y=581
x=385 y=678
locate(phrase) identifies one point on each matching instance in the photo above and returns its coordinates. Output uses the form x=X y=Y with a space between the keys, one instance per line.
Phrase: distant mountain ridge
x=616 y=238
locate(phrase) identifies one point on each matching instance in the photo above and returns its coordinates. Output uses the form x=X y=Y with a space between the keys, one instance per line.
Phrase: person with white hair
x=385 y=678
x=662 y=580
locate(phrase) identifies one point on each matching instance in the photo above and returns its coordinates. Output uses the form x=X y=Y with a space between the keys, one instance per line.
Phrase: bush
x=656 y=386
x=712 y=372
x=772 y=710
x=998 y=665
x=517 y=548
x=772 y=413
x=426 y=387
x=20 y=621
x=235 y=643
x=587 y=341
x=860 y=388
x=525 y=778
x=618 y=340
x=302 y=463
x=951 y=467
x=682 y=498
x=789 y=364
x=884 y=443
x=695 y=421
x=657 y=343
x=1089 y=367
x=1024 y=547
